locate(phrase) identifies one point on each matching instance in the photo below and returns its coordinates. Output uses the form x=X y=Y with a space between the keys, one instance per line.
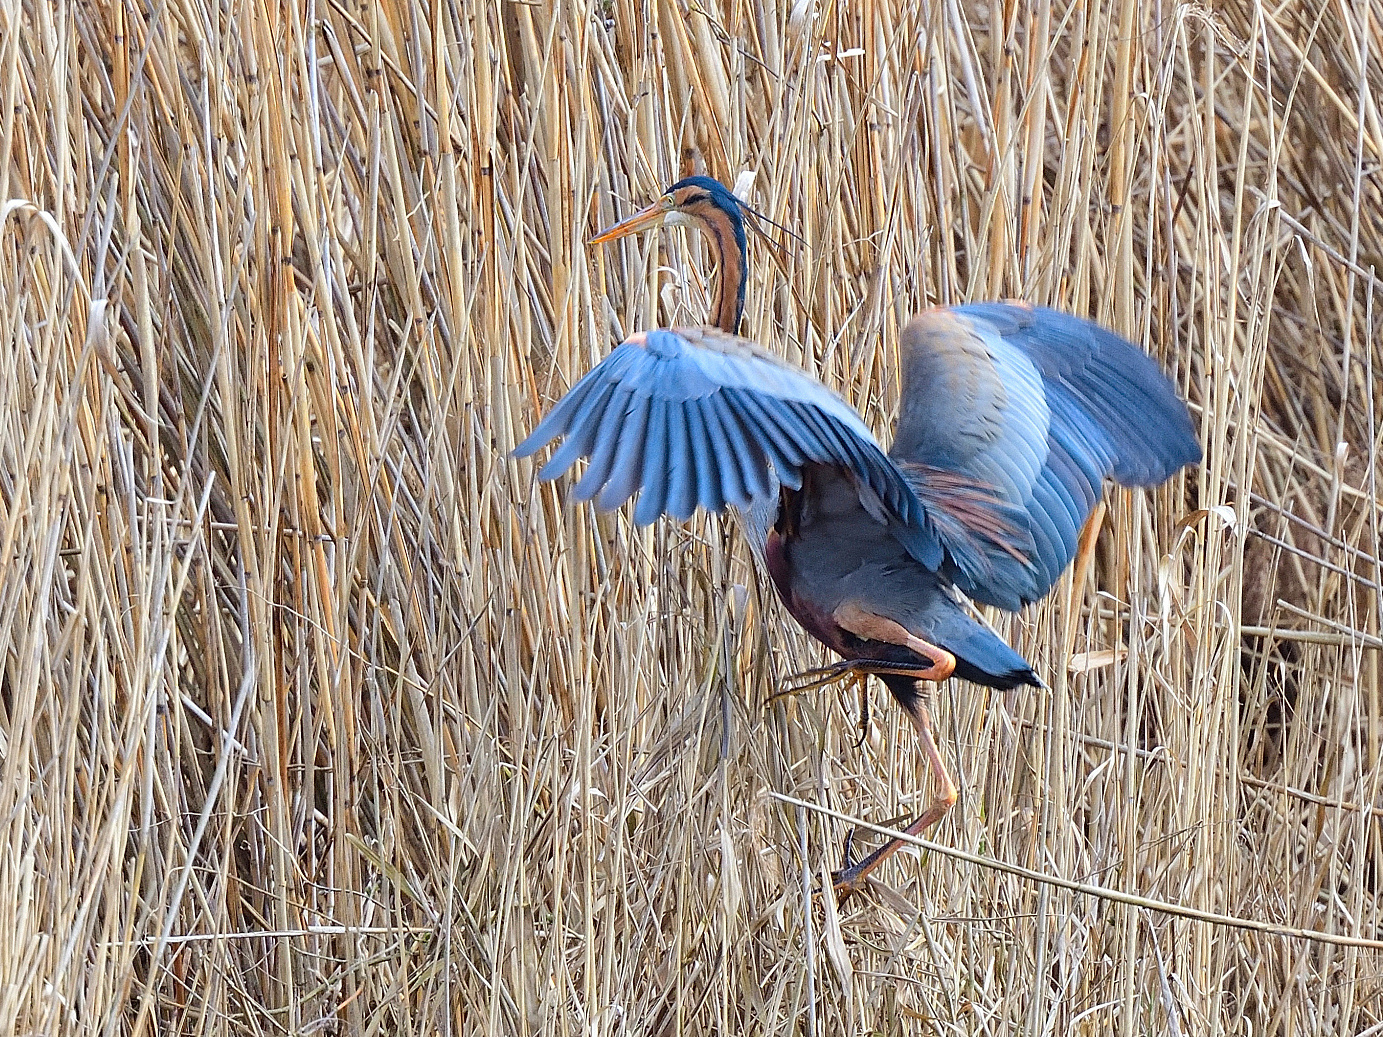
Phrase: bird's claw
x=846 y=882
x=847 y=852
x=862 y=686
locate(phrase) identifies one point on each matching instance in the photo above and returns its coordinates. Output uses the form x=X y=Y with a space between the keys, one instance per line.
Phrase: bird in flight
x=1011 y=417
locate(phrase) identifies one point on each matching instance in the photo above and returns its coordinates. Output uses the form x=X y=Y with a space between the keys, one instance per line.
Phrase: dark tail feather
x=981 y=656
x=1009 y=670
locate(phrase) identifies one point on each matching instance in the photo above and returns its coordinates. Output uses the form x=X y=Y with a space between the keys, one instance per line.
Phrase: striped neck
x=727 y=300
x=723 y=226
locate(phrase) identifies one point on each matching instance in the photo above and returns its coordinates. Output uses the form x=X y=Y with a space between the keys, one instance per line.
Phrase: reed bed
x=319 y=715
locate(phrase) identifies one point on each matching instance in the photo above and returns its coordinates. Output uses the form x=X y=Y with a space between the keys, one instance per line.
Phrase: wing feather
x=587 y=420
x=626 y=467
x=747 y=448
x=1052 y=530
x=653 y=499
x=606 y=443
x=695 y=416
x=786 y=456
x=681 y=469
x=726 y=452
x=704 y=460
x=1038 y=407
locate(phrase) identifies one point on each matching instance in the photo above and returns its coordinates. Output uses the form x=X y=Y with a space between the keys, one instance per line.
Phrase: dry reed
x=318 y=715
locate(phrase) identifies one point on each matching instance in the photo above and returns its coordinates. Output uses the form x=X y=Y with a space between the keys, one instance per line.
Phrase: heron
x=1011 y=416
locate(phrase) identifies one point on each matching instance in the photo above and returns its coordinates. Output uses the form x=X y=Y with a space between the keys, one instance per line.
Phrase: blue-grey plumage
x=734 y=414
x=827 y=555
x=1038 y=407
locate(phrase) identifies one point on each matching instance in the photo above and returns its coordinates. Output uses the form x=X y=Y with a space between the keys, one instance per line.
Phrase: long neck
x=726 y=236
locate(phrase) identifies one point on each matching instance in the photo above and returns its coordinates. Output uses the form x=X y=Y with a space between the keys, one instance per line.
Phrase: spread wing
x=695 y=416
x=1012 y=416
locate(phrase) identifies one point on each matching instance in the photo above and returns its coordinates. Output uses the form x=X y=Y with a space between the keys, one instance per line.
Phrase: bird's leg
x=870 y=626
x=1085 y=552
x=809 y=680
x=852 y=877
x=862 y=686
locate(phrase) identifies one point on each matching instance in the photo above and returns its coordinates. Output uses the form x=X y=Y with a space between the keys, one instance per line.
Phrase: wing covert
x=1020 y=413
x=694 y=416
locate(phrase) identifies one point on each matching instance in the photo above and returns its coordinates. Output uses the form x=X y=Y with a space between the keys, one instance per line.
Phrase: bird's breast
x=812 y=579
x=813 y=619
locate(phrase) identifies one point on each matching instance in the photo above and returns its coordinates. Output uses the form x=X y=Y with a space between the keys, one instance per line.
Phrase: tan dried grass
x=316 y=714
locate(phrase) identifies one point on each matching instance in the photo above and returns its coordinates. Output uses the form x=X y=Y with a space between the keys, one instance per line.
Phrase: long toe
x=848 y=880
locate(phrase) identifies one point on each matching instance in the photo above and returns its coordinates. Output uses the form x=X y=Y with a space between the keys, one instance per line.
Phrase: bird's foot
x=853 y=875
x=848 y=881
x=810 y=680
x=848 y=878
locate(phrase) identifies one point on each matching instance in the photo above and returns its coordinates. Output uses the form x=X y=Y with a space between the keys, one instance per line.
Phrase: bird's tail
x=989 y=661
x=981 y=656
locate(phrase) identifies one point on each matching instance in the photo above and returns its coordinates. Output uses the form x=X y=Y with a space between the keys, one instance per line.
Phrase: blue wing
x=1012 y=416
x=695 y=416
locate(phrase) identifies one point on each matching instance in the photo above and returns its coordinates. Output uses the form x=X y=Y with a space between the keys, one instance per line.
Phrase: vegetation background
x=318 y=715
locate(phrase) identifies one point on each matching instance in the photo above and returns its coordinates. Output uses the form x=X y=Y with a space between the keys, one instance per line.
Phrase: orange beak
x=645 y=219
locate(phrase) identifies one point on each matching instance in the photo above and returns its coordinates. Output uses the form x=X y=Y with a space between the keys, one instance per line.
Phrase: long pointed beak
x=654 y=216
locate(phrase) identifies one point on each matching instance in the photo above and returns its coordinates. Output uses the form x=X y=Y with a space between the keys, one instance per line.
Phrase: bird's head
x=697 y=201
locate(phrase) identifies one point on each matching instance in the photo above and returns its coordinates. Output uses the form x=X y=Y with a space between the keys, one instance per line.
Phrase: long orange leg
x=852 y=877
x=854 y=617
x=1085 y=553
x=858 y=671
x=871 y=626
